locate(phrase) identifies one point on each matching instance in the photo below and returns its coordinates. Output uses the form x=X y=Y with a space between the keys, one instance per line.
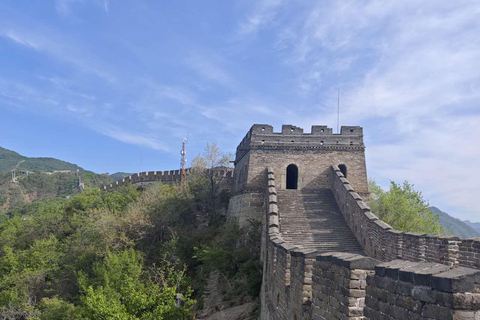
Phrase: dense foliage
x=404 y=208
x=125 y=254
x=40 y=185
x=10 y=159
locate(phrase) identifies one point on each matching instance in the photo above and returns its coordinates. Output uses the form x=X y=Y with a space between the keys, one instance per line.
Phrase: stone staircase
x=312 y=219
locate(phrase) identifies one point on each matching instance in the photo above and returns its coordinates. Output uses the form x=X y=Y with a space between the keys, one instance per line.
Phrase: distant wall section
x=223 y=175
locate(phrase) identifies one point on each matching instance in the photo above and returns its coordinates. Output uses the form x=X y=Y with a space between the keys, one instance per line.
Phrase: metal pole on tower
x=183 y=164
x=338 y=112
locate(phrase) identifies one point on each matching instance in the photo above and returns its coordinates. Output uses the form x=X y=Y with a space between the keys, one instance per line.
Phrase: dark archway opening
x=292 y=177
x=343 y=169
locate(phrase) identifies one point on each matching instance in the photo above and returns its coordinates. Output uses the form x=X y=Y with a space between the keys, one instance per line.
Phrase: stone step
x=311 y=219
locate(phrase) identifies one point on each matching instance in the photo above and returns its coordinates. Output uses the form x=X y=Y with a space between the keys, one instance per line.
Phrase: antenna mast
x=183 y=164
x=338 y=112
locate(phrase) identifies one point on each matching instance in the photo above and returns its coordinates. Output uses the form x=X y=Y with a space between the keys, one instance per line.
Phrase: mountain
x=456 y=226
x=10 y=159
x=41 y=178
x=119 y=175
x=474 y=225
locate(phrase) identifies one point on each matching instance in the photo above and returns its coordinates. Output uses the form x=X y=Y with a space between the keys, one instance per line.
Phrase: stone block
x=459 y=279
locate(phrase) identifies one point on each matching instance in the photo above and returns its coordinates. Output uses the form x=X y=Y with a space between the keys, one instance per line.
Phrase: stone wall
x=224 y=175
x=339 y=285
x=301 y=284
x=380 y=241
x=405 y=290
x=246 y=206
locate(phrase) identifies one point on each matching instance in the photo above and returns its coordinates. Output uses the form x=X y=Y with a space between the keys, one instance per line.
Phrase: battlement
x=262 y=136
x=170 y=176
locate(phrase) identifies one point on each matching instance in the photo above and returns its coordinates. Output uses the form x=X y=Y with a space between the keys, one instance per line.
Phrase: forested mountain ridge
x=10 y=159
x=456 y=226
x=39 y=178
x=474 y=225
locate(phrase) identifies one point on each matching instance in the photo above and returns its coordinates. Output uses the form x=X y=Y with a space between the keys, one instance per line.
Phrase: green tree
x=122 y=289
x=403 y=208
x=204 y=184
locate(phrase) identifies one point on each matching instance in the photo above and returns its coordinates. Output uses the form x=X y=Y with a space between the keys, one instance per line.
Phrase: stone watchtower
x=300 y=161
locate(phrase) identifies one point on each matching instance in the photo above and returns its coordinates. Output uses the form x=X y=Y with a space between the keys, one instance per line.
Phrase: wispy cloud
x=57 y=46
x=262 y=15
x=209 y=68
x=122 y=134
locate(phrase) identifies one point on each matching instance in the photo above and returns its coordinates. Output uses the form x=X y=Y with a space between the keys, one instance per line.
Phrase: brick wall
x=300 y=284
x=224 y=176
x=380 y=241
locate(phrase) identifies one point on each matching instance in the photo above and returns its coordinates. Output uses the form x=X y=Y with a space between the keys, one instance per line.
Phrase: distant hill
x=474 y=225
x=37 y=180
x=10 y=159
x=119 y=175
x=455 y=226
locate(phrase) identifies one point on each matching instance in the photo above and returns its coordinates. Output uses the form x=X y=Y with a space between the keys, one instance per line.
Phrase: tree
x=403 y=208
x=204 y=168
x=123 y=289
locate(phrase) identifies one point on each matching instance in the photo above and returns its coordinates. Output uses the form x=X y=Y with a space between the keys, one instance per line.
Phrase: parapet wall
x=303 y=284
x=261 y=136
x=381 y=241
x=171 y=176
x=405 y=290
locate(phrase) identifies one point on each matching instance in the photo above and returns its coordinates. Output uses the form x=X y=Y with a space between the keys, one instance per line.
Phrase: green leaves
x=122 y=289
x=403 y=208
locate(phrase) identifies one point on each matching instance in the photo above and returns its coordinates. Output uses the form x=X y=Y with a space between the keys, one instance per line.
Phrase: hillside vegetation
x=453 y=225
x=119 y=175
x=40 y=183
x=9 y=160
x=125 y=254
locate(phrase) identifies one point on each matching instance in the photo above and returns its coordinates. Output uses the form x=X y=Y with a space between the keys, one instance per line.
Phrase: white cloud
x=52 y=44
x=262 y=15
x=208 y=69
x=409 y=66
x=121 y=134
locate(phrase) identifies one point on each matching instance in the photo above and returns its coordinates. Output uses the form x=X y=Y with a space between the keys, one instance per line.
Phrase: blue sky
x=116 y=85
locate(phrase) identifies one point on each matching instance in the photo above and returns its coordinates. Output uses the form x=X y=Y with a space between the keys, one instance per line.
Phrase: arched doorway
x=343 y=169
x=292 y=177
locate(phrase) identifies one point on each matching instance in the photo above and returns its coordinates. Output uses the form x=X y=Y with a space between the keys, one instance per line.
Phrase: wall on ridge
x=380 y=241
x=224 y=175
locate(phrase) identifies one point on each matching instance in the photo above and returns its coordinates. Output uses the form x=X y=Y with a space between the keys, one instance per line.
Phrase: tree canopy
x=403 y=208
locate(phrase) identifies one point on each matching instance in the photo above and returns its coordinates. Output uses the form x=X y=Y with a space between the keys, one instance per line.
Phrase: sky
x=115 y=85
